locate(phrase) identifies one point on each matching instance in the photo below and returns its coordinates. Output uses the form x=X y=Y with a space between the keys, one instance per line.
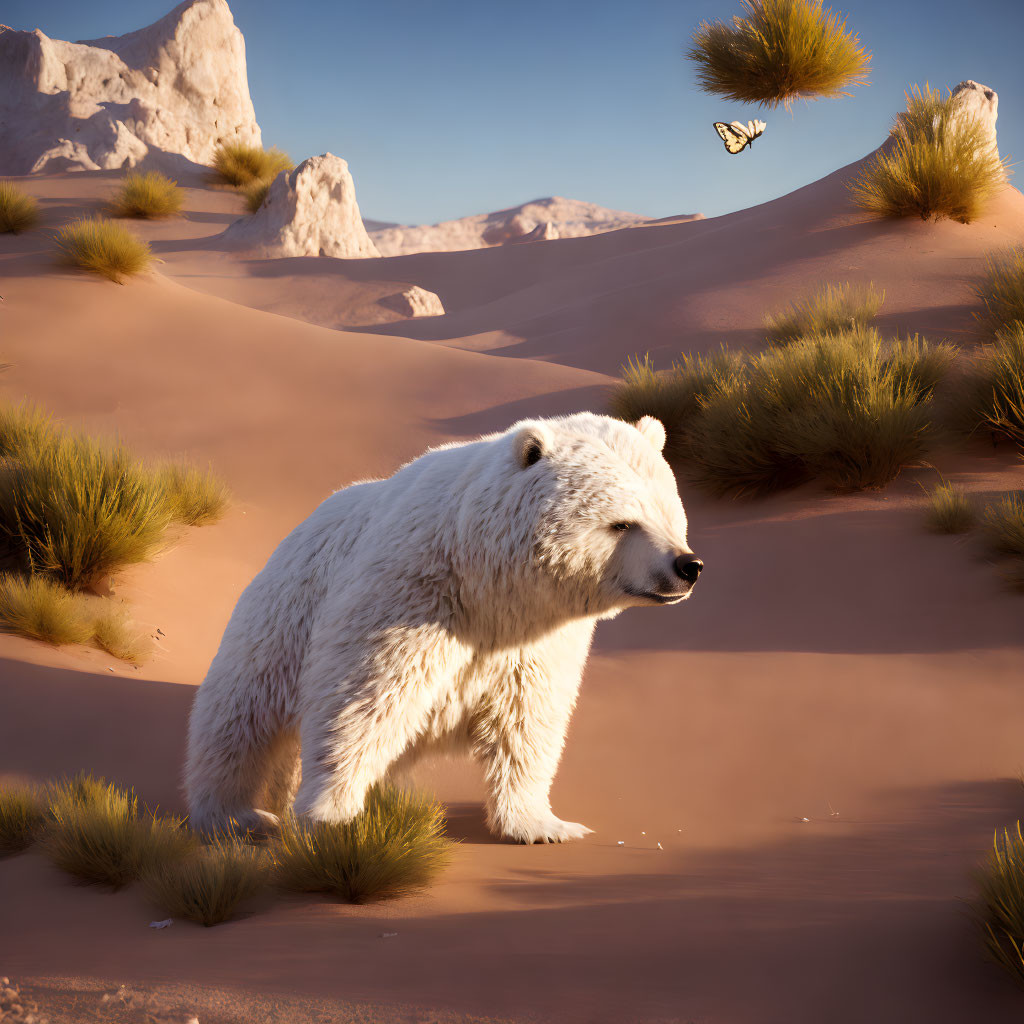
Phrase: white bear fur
x=452 y=603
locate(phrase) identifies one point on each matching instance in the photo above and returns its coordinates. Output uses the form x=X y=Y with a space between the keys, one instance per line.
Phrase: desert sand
x=822 y=741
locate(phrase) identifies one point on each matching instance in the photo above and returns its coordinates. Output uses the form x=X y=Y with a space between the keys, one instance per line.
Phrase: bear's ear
x=653 y=430
x=532 y=443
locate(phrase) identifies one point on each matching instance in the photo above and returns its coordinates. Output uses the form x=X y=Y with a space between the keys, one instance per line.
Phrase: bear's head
x=585 y=519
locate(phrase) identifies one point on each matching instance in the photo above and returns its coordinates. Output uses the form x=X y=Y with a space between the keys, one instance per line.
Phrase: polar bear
x=452 y=603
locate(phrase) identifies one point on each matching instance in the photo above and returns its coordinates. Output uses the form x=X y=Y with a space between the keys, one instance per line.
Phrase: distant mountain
x=537 y=220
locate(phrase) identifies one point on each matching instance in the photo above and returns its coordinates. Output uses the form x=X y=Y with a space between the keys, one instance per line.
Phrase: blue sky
x=455 y=107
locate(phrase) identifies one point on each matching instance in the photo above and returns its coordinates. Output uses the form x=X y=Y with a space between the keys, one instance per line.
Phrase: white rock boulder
x=414 y=301
x=976 y=102
x=310 y=210
x=168 y=95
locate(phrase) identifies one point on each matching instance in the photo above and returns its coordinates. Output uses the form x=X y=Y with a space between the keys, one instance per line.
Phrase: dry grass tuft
x=1001 y=292
x=240 y=165
x=833 y=308
x=22 y=812
x=76 y=509
x=396 y=845
x=192 y=496
x=256 y=192
x=1001 y=910
x=779 y=51
x=995 y=392
x=840 y=408
x=940 y=164
x=40 y=609
x=113 y=632
x=98 y=834
x=103 y=247
x=149 y=195
x=1003 y=525
x=949 y=510
x=18 y=210
x=209 y=884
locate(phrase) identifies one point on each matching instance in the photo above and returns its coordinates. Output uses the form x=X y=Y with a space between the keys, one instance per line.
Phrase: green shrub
x=148 y=195
x=949 y=510
x=98 y=834
x=18 y=211
x=209 y=884
x=841 y=408
x=103 y=247
x=781 y=50
x=1003 y=525
x=192 y=496
x=1001 y=292
x=394 y=846
x=1001 y=910
x=939 y=164
x=995 y=392
x=256 y=192
x=833 y=308
x=238 y=164
x=22 y=811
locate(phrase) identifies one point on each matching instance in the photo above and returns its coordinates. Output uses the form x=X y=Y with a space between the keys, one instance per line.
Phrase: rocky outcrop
x=535 y=221
x=166 y=95
x=310 y=210
x=973 y=101
x=414 y=301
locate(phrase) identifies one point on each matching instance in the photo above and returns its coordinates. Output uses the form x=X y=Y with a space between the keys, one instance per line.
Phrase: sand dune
x=835 y=657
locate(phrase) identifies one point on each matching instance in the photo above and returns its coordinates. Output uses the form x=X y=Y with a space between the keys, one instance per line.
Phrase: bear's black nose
x=688 y=568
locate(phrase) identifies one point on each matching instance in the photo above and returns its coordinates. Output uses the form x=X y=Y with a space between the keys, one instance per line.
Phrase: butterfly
x=737 y=137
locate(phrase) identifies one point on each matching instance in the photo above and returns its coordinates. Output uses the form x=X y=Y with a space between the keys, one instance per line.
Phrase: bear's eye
x=622 y=527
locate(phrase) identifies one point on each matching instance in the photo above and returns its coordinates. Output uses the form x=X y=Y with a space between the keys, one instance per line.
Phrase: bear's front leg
x=364 y=703
x=519 y=734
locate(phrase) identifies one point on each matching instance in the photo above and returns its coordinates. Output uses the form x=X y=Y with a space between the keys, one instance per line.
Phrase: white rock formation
x=167 y=95
x=565 y=218
x=414 y=301
x=310 y=210
x=977 y=102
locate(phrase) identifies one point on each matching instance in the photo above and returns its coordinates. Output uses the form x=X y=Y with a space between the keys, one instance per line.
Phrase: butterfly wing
x=755 y=128
x=733 y=135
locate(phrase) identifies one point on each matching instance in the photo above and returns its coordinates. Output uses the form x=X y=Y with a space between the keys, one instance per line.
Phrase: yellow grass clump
x=148 y=195
x=255 y=193
x=1001 y=292
x=75 y=509
x=832 y=308
x=949 y=510
x=22 y=812
x=103 y=247
x=841 y=408
x=396 y=845
x=938 y=164
x=210 y=883
x=777 y=52
x=18 y=210
x=996 y=389
x=239 y=165
x=97 y=833
x=1000 y=911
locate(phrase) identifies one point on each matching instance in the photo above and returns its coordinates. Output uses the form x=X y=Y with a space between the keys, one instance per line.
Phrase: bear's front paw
x=548 y=829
